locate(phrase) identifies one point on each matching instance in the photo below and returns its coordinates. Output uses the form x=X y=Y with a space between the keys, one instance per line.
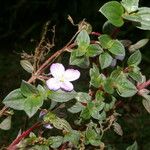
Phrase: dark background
x=21 y=24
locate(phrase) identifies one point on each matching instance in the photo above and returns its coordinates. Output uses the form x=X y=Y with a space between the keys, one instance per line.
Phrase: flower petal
x=53 y=84
x=42 y=113
x=67 y=86
x=57 y=70
x=71 y=75
x=48 y=126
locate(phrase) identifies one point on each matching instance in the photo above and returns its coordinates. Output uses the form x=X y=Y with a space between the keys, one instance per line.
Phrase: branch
x=54 y=56
x=46 y=63
x=12 y=146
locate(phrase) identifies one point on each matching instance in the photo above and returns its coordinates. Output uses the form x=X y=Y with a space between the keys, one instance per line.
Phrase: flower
x=61 y=77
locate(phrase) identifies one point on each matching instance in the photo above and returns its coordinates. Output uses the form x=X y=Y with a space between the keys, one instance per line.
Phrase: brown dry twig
x=3 y=110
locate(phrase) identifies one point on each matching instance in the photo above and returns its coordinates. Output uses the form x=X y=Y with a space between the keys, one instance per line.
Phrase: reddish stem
x=143 y=85
x=115 y=32
x=46 y=63
x=12 y=146
x=63 y=147
x=119 y=104
x=95 y=33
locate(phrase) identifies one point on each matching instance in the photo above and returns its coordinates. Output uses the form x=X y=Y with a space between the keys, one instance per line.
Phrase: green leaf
x=113 y=12
x=95 y=112
x=82 y=62
x=134 y=17
x=109 y=86
x=137 y=76
x=130 y=5
x=76 y=108
x=99 y=96
x=94 y=50
x=61 y=96
x=105 y=60
x=52 y=105
x=105 y=41
x=15 y=100
x=96 y=142
x=32 y=104
x=91 y=134
x=117 y=128
x=134 y=146
x=138 y=45
x=61 y=124
x=28 y=89
x=39 y=147
x=99 y=106
x=73 y=137
x=80 y=51
x=6 y=123
x=108 y=28
x=93 y=137
x=146 y=104
x=144 y=22
x=83 y=97
x=27 y=66
x=96 y=77
x=117 y=48
x=135 y=58
x=125 y=88
x=42 y=91
x=55 y=141
x=140 y=18
x=109 y=106
x=83 y=39
x=146 y=101
x=116 y=73
x=85 y=114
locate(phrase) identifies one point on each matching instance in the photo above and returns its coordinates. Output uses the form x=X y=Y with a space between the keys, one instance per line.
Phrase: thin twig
x=3 y=110
x=12 y=146
x=39 y=48
x=46 y=63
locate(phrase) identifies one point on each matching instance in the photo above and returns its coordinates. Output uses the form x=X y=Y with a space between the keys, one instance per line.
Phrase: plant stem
x=95 y=33
x=46 y=63
x=115 y=32
x=55 y=55
x=63 y=147
x=143 y=85
x=12 y=146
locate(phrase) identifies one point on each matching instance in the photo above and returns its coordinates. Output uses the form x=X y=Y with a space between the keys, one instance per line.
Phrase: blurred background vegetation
x=21 y=25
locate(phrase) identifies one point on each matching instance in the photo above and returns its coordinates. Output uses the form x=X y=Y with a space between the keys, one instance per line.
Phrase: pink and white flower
x=61 y=77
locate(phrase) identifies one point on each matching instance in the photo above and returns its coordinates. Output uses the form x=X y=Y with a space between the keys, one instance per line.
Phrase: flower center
x=62 y=79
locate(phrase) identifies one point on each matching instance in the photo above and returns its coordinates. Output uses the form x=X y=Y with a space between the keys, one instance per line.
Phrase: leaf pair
x=27 y=98
x=80 y=56
x=114 y=47
x=116 y=12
